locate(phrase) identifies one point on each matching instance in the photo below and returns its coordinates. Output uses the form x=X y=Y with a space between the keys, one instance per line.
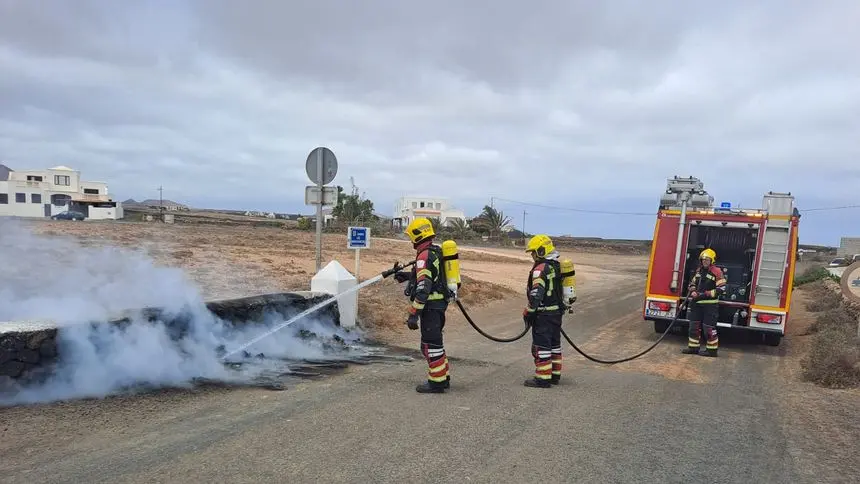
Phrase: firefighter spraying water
x=432 y=283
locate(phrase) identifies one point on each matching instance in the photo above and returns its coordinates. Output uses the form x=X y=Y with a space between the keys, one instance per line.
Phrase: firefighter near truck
x=755 y=249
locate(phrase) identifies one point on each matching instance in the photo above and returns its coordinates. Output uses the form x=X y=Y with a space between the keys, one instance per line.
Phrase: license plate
x=658 y=313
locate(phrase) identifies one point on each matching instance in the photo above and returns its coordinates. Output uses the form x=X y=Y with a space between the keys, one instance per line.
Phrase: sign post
x=357 y=238
x=851 y=286
x=321 y=167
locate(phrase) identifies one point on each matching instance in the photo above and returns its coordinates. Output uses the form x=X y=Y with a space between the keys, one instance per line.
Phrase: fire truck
x=756 y=250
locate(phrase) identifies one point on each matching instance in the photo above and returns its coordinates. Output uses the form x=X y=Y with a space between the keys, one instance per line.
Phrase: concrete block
x=334 y=279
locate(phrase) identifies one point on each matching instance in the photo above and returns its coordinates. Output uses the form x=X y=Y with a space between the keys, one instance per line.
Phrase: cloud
x=569 y=103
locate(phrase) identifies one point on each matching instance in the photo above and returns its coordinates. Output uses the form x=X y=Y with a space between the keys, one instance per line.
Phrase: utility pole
x=161 y=202
x=492 y=205
x=524 y=227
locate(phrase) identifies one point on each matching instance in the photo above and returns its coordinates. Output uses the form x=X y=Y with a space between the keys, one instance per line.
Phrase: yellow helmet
x=420 y=230
x=540 y=244
x=710 y=254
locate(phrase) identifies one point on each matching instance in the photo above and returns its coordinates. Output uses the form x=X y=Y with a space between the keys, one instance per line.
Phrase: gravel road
x=664 y=418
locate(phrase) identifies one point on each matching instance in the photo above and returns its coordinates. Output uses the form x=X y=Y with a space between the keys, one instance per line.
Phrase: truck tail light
x=659 y=306
x=768 y=318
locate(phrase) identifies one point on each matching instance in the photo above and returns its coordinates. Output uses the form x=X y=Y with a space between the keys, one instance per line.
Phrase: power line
x=827 y=209
x=570 y=209
x=646 y=214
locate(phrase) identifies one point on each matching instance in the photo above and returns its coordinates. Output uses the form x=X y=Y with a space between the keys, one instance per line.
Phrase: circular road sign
x=851 y=282
x=329 y=162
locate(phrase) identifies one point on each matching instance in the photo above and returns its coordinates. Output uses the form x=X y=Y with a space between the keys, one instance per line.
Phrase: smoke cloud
x=59 y=279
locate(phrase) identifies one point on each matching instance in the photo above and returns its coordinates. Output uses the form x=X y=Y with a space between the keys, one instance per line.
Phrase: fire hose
x=570 y=342
x=397 y=267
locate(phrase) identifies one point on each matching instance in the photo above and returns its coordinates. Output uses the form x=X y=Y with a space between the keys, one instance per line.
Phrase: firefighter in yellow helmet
x=428 y=292
x=544 y=311
x=706 y=286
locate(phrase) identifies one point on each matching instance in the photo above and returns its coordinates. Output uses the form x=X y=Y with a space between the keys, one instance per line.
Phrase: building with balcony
x=406 y=209
x=45 y=193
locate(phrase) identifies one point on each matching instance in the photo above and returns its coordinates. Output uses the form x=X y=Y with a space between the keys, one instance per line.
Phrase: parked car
x=69 y=215
x=838 y=262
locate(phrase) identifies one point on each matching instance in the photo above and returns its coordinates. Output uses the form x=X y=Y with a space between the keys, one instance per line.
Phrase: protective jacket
x=544 y=288
x=709 y=283
x=428 y=286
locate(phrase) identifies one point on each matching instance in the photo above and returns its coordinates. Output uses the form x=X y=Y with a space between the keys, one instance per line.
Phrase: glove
x=401 y=276
x=528 y=317
x=412 y=321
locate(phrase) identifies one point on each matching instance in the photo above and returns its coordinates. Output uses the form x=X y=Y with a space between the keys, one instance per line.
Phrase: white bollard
x=334 y=279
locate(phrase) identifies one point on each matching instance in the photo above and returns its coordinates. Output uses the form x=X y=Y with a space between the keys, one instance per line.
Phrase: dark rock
x=28 y=356
x=48 y=349
x=10 y=342
x=12 y=368
x=36 y=339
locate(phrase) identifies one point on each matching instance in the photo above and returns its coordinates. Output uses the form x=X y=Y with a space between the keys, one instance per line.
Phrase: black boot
x=537 y=383
x=431 y=387
x=555 y=379
x=709 y=353
x=447 y=383
x=691 y=350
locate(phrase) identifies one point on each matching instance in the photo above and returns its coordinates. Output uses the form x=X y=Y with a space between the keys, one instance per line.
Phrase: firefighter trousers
x=546 y=346
x=432 y=347
x=703 y=317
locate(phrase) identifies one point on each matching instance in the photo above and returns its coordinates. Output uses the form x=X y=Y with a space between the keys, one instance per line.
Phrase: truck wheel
x=772 y=339
x=660 y=326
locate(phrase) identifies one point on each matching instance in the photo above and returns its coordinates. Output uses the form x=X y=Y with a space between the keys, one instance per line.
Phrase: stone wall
x=28 y=350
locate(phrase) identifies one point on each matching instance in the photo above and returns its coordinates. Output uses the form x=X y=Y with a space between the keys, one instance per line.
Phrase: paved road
x=664 y=418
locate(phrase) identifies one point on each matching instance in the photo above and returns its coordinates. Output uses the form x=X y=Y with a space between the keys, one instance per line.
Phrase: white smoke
x=59 y=279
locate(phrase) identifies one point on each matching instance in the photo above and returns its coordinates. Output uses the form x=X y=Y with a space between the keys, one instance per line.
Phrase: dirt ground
x=230 y=260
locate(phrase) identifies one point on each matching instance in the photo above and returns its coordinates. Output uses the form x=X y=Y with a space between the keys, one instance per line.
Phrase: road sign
x=851 y=286
x=329 y=165
x=358 y=238
x=321 y=167
x=312 y=195
x=726 y=205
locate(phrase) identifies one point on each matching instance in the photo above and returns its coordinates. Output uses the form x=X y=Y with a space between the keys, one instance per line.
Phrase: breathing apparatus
x=421 y=229
x=568 y=283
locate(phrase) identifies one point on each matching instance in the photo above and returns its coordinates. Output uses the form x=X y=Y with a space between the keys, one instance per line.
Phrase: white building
x=44 y=193
x=406 y=209
x=848 y=246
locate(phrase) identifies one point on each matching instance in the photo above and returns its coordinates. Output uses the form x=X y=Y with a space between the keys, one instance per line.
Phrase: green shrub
x=304 y=223
x=812 y=274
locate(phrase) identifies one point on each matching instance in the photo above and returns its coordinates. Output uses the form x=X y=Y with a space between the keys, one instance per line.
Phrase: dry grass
x=823 y=299
x=833 y=359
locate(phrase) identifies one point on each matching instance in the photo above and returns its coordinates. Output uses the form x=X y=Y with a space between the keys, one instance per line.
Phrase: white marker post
x=357 y=238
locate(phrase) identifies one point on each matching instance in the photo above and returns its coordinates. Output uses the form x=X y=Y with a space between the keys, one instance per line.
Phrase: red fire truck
x=756 y=249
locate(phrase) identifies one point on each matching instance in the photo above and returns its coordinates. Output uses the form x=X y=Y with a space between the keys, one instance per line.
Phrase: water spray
x=397 y=267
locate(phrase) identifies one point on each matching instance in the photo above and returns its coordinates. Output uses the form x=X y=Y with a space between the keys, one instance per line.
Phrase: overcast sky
x=577 y=104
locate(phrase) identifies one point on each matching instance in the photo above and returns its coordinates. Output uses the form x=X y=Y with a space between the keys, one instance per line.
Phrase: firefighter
x=544 y=311
x=706 y=286
x=428 y=292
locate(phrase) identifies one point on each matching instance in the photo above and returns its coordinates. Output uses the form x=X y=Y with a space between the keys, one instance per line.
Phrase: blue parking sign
x=358 y=237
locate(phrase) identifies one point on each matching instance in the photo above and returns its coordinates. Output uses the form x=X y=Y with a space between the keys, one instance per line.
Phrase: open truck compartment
x=735 y=248
x=756 y=249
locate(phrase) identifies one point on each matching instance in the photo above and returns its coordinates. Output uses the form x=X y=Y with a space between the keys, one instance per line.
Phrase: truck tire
x=660 y=326
x=772 y=339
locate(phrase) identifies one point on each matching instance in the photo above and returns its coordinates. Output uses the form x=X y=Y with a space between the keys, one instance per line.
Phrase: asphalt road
x=664 y=418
